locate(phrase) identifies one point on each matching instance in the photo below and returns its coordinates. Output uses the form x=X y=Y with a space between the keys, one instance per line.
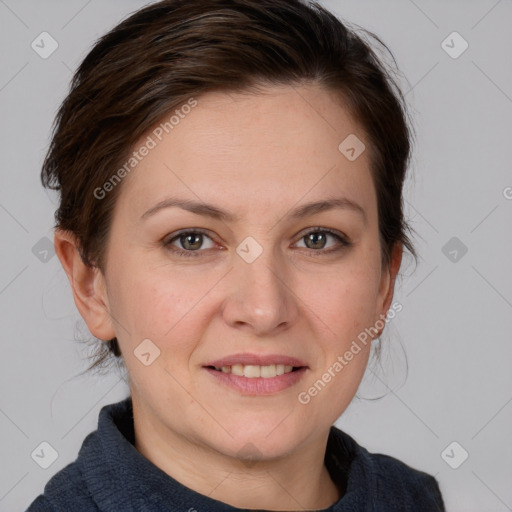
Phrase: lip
x=256 y=359
x=257 y=385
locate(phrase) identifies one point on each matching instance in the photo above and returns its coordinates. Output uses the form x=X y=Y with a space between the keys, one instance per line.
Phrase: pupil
x=187 y=238
x=315 y=237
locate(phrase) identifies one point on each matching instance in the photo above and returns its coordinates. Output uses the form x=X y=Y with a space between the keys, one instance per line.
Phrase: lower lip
x=258 y=385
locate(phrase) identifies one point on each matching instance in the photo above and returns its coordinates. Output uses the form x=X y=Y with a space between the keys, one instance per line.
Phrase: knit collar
x=135 y=484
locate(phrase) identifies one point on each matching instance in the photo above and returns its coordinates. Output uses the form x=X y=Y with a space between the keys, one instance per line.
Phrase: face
x=254 y=282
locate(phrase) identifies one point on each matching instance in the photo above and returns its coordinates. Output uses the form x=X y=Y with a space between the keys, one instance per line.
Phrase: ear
x=88 y=286
x=387 y=284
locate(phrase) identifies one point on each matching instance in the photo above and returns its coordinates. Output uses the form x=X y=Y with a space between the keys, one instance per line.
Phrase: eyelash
x=316 y=252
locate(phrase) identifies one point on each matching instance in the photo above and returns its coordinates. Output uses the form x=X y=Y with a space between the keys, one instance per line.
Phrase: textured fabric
x=110 y=475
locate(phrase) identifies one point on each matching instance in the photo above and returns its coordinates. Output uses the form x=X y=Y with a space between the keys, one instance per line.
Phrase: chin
x=264 y=440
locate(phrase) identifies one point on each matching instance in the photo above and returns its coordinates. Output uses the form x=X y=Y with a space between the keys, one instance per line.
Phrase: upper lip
x=257 y=360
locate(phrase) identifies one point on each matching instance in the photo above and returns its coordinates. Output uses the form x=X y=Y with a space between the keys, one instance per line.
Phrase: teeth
x=268 y=371
x=252 y=371
x=237 y=369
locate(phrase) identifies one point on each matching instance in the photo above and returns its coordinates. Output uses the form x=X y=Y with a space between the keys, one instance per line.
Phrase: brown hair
x=160 y=56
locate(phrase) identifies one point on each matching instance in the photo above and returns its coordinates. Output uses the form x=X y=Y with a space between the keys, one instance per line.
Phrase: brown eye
x=317 y=241
x=189 y=243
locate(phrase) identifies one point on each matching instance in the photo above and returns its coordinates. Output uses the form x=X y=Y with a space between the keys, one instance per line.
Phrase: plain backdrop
x=451 y=415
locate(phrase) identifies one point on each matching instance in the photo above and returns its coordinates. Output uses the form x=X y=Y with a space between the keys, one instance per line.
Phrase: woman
x=231 y=224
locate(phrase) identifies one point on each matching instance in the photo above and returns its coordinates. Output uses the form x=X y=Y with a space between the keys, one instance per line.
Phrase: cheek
x=345 y=301
x=166 y=311
x=154 y=304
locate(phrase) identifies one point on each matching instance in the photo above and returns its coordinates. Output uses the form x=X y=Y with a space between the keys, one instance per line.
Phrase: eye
x=316 y=240
x=189 y=242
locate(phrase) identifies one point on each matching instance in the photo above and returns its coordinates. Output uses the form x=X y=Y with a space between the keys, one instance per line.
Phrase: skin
x=258 y=156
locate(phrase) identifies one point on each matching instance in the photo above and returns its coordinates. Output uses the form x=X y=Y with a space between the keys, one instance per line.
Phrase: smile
x=254 y=385
x=252 y=371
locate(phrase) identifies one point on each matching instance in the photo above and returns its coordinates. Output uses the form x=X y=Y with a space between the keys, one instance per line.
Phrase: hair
x=172 y=50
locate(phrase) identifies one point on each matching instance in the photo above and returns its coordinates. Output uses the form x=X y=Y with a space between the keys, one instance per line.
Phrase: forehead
x=273 y=147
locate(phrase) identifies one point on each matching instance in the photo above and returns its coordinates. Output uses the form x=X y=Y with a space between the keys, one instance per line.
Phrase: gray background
x=456 y=320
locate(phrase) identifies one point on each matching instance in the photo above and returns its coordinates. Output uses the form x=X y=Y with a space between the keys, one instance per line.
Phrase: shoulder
x=66 y=490
x=388 y=483
x=40 y=504
x=395 y=479
x=88 y=481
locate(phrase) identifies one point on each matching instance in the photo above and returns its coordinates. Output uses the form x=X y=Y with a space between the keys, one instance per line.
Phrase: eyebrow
x=209 y=210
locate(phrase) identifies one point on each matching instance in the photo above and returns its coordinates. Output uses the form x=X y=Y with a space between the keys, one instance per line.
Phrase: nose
x=261 y=299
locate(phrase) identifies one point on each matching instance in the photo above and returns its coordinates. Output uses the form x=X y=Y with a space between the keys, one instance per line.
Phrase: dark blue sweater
x=109 y=474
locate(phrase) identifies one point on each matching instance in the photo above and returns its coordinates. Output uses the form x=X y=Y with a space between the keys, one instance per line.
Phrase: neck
x=299 y=481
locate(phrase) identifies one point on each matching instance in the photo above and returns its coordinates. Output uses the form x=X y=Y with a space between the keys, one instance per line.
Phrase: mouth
x=251 y=374
x=252 y=371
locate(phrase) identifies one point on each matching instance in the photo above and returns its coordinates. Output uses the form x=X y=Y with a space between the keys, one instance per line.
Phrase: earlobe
x=389 y=278
x=87 y=284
